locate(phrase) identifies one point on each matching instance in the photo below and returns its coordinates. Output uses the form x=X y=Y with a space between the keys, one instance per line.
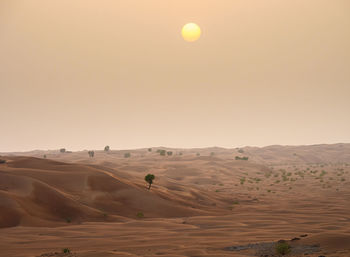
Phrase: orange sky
x=82 y=74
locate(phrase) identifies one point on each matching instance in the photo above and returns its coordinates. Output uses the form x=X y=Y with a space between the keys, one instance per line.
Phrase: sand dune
x=203 y=202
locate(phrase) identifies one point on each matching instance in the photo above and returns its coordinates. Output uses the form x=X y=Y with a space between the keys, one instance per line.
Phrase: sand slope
x=201 y=204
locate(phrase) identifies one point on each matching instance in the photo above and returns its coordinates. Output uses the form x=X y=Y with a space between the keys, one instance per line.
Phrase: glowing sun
x=191 y=32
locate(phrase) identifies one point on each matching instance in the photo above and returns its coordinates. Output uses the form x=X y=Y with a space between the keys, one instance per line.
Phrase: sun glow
x=191 y=32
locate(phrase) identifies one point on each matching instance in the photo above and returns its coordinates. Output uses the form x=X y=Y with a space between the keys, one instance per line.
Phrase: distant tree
x=162 y=152
x=149 y=179
x=91 y=153
x=169 y=153
x=2 y=161
x=127 y=155
x=106 y=148
x=44 y=156
x=63 y=150
x=149 y=149
x=240 y=150
x=244 y=158
x=198 y=154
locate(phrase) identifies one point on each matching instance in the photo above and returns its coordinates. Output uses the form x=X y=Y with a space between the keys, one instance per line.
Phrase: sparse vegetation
x=66 y=250
x=127 y=155
x=169 y=153
x=161 y=152
x=149 y=179
x=140 y=215
x=244 y=158
x=283 y=248
x=62 y=150
x=149 y=149
x=91 y=154
x=107 y=148
x=2 y=161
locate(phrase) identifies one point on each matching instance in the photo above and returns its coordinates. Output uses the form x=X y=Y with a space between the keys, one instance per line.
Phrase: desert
x=203 y=202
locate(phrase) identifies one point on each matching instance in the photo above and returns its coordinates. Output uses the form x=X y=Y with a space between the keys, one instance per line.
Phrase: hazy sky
x=82 y=74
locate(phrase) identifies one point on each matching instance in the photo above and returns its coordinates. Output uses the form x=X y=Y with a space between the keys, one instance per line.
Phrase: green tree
x=149 y=179
x=62 y=150
x=127 y=155
x=91 y=153
x=106 y=148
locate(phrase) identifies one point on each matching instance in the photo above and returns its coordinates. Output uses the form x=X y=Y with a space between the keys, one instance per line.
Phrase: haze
x=83 y=74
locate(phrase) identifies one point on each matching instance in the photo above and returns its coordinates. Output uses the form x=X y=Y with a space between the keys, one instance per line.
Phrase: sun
x=191 y=32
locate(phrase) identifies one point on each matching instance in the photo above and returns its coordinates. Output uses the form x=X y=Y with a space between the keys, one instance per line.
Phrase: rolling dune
x=202 y=203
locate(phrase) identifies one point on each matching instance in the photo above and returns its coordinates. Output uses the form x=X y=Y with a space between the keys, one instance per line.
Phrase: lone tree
x=149 y=179
x=91 y=153
x=62 y=150
x=106 y=148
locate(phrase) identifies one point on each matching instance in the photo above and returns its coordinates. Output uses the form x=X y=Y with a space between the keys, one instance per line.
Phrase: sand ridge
x=202 y=202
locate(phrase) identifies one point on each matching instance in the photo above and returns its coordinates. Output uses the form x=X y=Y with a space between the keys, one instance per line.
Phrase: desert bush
x=283 y=248
x=244 y=158
x=107 y=148
x=44 y=156
x=2 y=161
x=127 y=155
x=149 y=149
x=242 y=181
x=240 y=150
x=140 y=215
x=169 y=153
x=162 y=152
x=62 y=150
x=149 y=179
x=66 y=250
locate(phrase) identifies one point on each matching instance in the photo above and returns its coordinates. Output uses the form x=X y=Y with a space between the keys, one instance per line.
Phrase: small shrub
x=66 y=250
x=68 y=220
x=212 y=154
x=127 y=155
x=2 y=161
x=240 y=150
x=244 y=158
x=162 y=152
x=149 y=149
x=106 y=148
x=62 y=150
x=140 y=215
x=198 y=154
x=44 y=156
x=169 y=153
x=283 y=248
